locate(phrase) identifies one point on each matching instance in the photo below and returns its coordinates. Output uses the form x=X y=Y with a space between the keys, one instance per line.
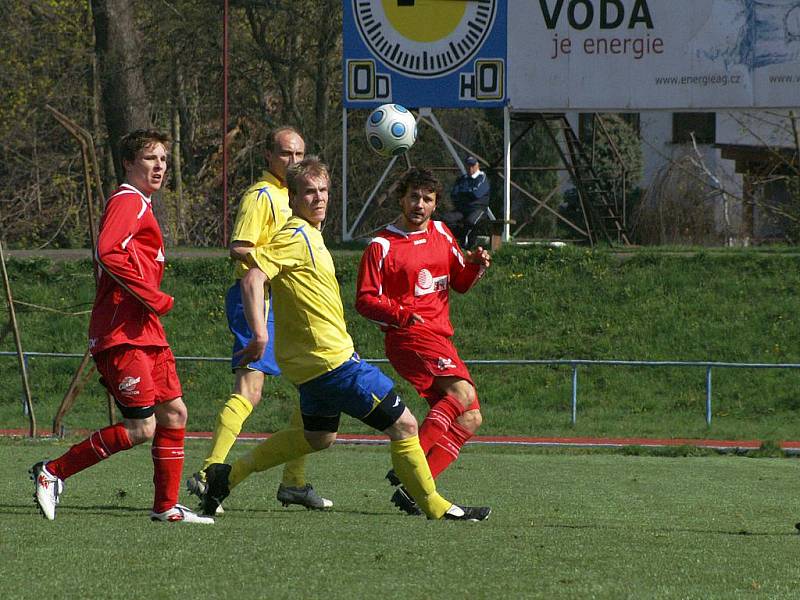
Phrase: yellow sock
x=229 y=425
x=283 y=446
x=294 y=471
x=409 y=463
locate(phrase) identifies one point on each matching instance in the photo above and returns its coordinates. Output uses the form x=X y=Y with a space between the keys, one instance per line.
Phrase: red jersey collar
x=395 y=229
x=135 y=189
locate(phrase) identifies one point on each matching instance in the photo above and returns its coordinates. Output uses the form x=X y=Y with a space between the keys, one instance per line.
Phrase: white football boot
x=47 y=490
x=180 y=514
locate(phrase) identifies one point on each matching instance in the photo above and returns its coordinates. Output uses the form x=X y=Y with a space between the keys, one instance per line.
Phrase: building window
x=702 y=125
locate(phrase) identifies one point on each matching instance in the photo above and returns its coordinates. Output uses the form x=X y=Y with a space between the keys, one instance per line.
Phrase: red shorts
x=139 y=376
x=422 y=357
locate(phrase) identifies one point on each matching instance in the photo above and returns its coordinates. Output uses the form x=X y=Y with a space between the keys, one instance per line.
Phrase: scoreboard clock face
x=424 y=38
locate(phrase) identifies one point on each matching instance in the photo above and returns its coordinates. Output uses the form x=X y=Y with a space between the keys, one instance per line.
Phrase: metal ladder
x=597 y=199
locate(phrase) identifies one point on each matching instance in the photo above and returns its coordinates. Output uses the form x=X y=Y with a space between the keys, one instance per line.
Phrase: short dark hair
x=273 y=135
x=310 y=166
x=418 y=178
x=135 y=141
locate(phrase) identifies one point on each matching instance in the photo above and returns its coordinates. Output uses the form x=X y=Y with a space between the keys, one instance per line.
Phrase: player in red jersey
x=128 y=343
x=404 y=283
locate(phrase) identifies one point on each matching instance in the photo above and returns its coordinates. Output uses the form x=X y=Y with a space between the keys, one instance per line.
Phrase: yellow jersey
x=310 y=333
x=264 y=209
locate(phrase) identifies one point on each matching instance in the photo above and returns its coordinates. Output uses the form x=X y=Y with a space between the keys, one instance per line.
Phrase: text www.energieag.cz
x=719 y=80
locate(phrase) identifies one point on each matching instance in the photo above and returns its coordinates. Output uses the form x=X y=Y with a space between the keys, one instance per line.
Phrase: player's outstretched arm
x=479 y=256
x=466 y=273
x=253 y=284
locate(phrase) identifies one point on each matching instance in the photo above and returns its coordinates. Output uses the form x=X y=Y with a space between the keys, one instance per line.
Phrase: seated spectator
x=470 y=197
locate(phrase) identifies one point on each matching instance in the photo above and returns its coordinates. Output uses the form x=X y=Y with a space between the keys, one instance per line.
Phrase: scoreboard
x=438 y=53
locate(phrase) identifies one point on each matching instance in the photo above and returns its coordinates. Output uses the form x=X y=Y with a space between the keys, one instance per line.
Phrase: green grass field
x=565 y=525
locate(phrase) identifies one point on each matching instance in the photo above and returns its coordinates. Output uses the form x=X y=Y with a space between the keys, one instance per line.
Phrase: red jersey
x=130 y=264
x=412 y=272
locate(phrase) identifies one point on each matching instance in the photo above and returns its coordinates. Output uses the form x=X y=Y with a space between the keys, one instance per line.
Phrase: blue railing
x=574 y=363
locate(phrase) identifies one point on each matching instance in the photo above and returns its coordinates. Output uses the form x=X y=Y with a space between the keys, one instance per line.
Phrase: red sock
x=446 y=450
x=167 y=454
x=98 y=446
x=438 y=421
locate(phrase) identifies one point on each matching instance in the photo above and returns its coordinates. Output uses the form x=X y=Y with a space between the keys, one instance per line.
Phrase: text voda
x=607 y=15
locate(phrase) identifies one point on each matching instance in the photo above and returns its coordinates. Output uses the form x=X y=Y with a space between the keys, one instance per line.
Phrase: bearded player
x=404 y=284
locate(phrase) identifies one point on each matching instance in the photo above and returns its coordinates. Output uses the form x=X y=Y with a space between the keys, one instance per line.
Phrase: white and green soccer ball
x=391 y=130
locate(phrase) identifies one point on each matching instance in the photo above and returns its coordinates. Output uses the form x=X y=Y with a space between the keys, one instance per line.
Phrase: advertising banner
x=630 y=55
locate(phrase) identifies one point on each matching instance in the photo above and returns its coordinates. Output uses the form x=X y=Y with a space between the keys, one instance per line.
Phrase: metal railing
x=573 y=363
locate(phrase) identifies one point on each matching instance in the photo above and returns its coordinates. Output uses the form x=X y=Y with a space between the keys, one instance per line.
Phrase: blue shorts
x=237 y=323
x=353 y=388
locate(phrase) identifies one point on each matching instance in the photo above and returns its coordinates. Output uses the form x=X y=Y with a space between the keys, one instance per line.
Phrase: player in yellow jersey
x=315 y=352
x=262 y=212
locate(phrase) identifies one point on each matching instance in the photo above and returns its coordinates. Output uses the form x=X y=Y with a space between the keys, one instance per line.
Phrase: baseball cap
x=470 y=160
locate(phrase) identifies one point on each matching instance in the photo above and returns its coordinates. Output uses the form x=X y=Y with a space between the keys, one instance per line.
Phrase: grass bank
x=535 y=303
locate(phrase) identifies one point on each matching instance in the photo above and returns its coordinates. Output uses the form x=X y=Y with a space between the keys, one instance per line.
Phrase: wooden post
x=89 y=155
x=79 y=380
x=20 y=355
x=496 y=231
x=75 y=387
x=747 y=230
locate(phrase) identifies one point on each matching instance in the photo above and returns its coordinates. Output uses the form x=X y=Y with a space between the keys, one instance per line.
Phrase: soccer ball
x=391 y=130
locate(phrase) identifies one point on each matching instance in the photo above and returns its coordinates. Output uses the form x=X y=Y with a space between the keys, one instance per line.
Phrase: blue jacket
x=469 y=193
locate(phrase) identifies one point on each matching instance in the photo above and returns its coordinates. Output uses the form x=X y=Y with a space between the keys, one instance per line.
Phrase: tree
x=119 y=54
x=41 y=174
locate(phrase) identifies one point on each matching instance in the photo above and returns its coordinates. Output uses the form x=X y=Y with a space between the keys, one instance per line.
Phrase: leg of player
x=248 y=387
x=246 y=394
x=245 y=397
x=167 y=452
x=49 y=476
x=294 y=489
x=393 y=418
x=279 y=448
x=447 y=447
x=288 y=447
x=139 y=378
x=138 y=427
x=456 y=396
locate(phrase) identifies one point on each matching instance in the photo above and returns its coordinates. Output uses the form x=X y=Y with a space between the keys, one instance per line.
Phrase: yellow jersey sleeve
x=263 y=210
x=283 y=253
